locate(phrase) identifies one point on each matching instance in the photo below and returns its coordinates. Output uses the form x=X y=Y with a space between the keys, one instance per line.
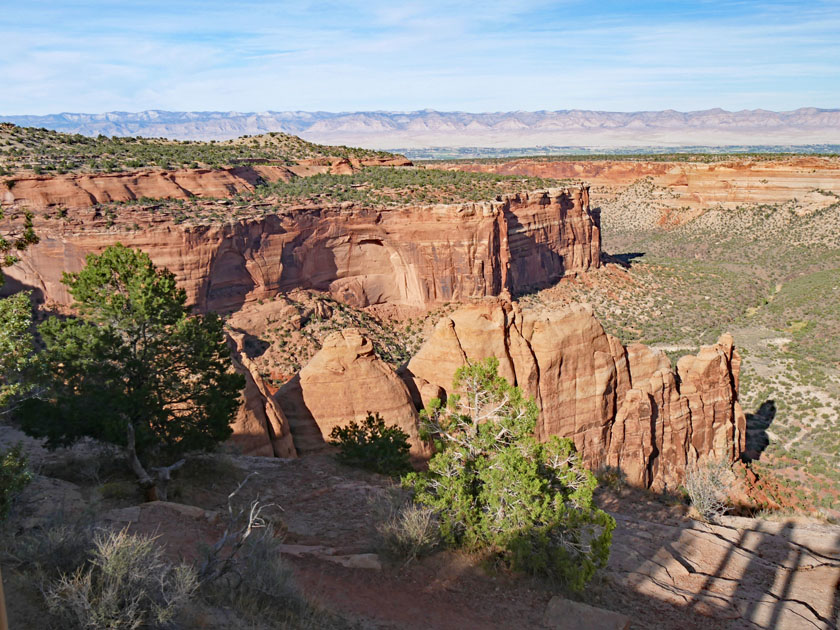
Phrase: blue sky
x=98 y=56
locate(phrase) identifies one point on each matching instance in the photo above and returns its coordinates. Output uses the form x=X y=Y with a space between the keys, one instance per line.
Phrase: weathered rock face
x=738 y=573
x=415 y=256
x=85 y=191
x=345 y=381
x=78 y=191
x=622 y=407
x=260 y=427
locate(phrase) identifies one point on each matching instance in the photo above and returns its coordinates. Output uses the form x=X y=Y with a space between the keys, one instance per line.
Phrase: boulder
x=345 y=381
x=46 y=501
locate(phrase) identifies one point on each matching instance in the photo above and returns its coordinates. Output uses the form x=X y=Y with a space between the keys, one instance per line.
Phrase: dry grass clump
x=259 y=584
x=408 y=532
x=611 y=477
x=708 y=484
x=244 y=572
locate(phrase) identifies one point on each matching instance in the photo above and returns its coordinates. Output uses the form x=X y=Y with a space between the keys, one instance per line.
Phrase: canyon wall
x=78 y=191
x=414 y=255
x=623 y=407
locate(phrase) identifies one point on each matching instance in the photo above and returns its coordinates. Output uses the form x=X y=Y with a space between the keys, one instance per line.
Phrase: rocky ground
x=665 y=571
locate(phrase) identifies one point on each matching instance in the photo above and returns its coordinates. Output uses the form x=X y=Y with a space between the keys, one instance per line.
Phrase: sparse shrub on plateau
x=373 y=445
x=495 y=487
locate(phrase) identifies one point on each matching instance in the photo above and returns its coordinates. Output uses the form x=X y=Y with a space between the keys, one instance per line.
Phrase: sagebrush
x=409 y=531
x=59 y=547
x=707 y=484
x=127 y=584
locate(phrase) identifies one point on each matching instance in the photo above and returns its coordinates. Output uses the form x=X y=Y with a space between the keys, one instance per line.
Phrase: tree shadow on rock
x=254 y=346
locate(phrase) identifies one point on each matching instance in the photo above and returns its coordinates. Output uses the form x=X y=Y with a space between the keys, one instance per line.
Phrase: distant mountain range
x=502 y=130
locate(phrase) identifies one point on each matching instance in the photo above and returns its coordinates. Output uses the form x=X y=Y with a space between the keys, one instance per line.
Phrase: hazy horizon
x=416 y=110
x=427 y=129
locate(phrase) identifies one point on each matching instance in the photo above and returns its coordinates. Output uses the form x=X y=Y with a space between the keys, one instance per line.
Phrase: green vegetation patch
x=400 y=186
x=42 y=151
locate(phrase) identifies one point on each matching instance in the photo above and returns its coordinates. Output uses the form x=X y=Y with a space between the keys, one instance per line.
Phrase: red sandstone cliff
x=260 y=427
x=78 y=191
x=85 y=191
x=413 y=255
x=623 y=407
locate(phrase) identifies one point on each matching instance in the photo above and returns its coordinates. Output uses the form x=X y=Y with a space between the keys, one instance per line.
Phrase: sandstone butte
x=414 y=255
x=345 y=381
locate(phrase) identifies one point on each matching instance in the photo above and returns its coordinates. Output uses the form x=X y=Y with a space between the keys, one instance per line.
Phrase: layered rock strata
x=75 y=191
x=623 y=407
x=414 y=255
x=728 y=184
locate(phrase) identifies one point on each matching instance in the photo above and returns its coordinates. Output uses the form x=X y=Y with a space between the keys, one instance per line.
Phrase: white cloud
x=375 y=55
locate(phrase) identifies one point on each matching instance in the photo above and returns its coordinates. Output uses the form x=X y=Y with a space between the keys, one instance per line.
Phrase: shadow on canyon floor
x=733 y=573
x=757 y=425
x=768 y=597
x=625 y=260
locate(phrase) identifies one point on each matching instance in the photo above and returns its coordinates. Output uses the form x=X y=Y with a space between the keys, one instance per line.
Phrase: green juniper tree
x=16 y=348
x=496 y=487
x=135 y=368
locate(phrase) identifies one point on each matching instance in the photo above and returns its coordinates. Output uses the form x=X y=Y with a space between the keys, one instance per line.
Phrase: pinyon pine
x=495 y=487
